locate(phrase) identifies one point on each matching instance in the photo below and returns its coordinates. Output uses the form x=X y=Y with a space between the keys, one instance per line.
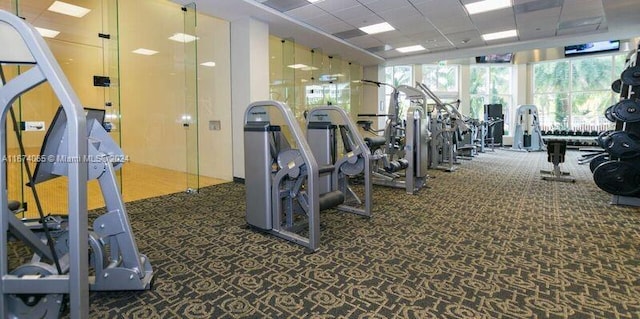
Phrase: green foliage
x=571 y=94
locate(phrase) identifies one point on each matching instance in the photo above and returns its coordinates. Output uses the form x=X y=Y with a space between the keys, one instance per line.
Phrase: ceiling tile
x=305 y=12
x=538 y=33
x=334 y=27
x=465 y=38
x=353 y=13
x=582 y=29
x=413 y=24
x=285 y=5
x=399 y=13
x=541 y=18
x=567 y=24
x=336 y=5
x=532 y=6
x=324 y=19
x=365 y=41
x=349 y=34
x=382 y=5
x=498 y=20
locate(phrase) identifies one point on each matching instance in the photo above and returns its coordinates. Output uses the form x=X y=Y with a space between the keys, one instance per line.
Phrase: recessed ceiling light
x=144 y=51
x=487 y=5
x=209 y=64
x=314 y=1
x=297 y=66
x=411 y=48
x=47 y=33
x=183 y=38
x=500 y=35
x=302 y=67
x=377 y=28
x=68 y=9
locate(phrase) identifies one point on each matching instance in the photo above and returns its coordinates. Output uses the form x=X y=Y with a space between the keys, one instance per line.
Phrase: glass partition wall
x=304 y=78
x=85 y=44
x=143 y=70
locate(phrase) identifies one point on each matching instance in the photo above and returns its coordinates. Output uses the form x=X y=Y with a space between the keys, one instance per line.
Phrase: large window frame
x=580 y=94
x=397 y=75
x=495 y=87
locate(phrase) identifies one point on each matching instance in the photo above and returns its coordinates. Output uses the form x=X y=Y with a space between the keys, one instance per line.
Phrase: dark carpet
x=490 y=240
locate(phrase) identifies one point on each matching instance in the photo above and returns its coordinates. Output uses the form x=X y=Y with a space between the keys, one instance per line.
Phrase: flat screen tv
x=495 y=58
x=591 y=48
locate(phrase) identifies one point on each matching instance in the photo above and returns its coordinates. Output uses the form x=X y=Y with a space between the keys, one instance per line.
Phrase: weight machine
x=400 y=159
x=322 y=123
x=447 y=126
x=527 y=135
x=284 y=194
x=76 y=146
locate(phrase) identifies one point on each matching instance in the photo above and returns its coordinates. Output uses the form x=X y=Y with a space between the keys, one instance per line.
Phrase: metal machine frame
x=266 y=190
x=403 y=161
x=21 y=44
x=76 y=145
x=357 y=159
x=527 y=135
x=446 y=123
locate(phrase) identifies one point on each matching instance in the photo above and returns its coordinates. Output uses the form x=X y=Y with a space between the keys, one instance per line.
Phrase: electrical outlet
x=214 y=125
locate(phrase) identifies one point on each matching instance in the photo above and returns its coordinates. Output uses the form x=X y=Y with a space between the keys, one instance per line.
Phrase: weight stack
x=618 y=173
x=494 y=111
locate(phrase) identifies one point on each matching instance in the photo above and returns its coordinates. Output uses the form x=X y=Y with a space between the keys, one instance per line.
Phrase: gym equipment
x=626 y=111
x=447 y=126
x=116 y=262
x=603 y=137
x=608 y=114
x=617 y=171
x=598 y=159
x=527 y=135
x=77 y=146
x=21 y=44
x=400 y=157
x=556 y=150
x=283 y=188
x=322 y=123
x=618 y=178
x=631 y=76
x=622 y=145
x=493 y=112
x=616 y=86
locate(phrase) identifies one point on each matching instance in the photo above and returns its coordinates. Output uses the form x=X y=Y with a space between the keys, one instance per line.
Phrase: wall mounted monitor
x=495 y=58
x=591 y=48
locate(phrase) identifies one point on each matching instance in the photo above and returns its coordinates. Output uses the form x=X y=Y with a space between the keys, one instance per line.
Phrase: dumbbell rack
x=620 y=175
x=575 y=140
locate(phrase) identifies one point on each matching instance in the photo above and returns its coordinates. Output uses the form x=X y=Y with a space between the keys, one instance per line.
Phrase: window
x=490 y=85
x=573 y=94
x=440 y=78
x=396 y=76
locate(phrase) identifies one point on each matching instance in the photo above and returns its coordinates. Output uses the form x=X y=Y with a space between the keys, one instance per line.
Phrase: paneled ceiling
x=443 y=27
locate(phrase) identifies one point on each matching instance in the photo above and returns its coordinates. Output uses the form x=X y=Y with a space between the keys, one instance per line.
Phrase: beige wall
x=214 y=89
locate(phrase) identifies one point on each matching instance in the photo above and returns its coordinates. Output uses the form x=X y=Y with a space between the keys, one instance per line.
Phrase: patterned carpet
x=490 y=240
